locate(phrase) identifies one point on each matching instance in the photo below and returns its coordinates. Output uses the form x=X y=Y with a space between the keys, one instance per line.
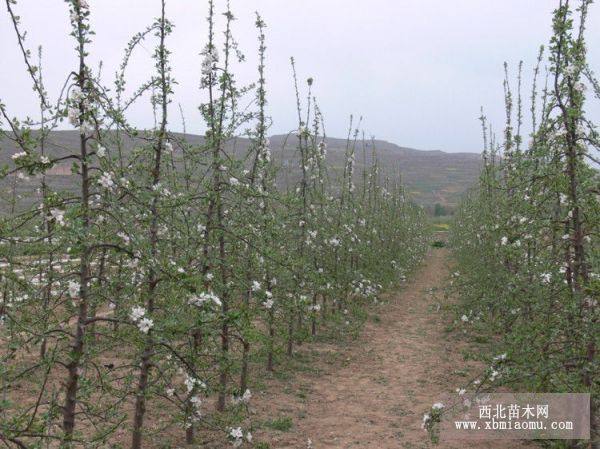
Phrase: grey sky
x=417 y=71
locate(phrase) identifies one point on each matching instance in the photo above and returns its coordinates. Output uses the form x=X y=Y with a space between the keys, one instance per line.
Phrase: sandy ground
x=374 y=392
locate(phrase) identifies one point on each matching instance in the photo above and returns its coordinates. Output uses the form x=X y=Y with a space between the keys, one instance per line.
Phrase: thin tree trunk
x=148 y=352
x=78 y=342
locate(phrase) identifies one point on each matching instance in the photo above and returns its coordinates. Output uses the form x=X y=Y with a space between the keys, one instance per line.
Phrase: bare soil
x=372 y=393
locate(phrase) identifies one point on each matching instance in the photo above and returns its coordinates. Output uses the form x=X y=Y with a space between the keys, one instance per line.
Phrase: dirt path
x=374 y=393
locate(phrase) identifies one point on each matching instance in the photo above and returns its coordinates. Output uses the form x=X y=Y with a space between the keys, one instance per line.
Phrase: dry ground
x=374 y=392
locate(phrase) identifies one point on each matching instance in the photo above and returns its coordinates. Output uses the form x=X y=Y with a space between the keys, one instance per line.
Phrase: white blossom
x=145 y=324
x=74 y=288
x=203 y=298
x=106 y=180
x=191 y=382
x=211 y=57
x=236 y=434
x=196 y=401
x=137 y=313
x=73 y=116
x=244 y=398
x=426 y=418
x=19 y=155
x=58 y=215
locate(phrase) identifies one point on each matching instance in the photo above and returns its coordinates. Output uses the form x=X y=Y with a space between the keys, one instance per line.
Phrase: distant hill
x=430 y=177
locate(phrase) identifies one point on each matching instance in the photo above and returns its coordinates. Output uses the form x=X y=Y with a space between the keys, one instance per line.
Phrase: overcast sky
x=416 y=70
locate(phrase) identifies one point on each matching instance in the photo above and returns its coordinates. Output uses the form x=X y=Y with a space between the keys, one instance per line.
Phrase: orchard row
x=138 y=311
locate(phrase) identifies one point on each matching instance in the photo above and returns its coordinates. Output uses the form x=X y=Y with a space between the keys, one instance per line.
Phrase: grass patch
x=283 y=424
